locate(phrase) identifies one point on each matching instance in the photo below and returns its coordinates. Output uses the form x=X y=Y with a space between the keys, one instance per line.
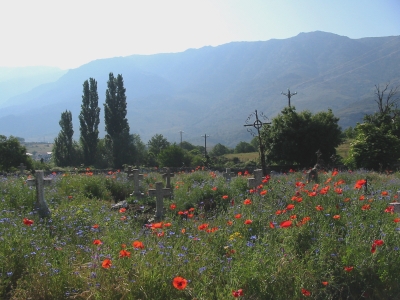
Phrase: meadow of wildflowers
x=285 y=239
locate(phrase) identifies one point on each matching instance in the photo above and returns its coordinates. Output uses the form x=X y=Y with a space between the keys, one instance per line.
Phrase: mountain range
x=213 y=90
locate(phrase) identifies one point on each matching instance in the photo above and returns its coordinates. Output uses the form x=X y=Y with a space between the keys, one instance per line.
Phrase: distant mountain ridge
x=212 y=90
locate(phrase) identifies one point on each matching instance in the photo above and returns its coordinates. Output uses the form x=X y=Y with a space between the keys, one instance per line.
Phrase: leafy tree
x=157 y=143
x=349 y=133
x=172 y=156
x=294 y=138
x=89 y=119
x=63 y=149
x=187 y=146
x=137 y=150
x=373 y=148
x=117 y=126
x=255 y=143
x=12 y=154
x=377 y=140
x=244 y=147
x=219 y=150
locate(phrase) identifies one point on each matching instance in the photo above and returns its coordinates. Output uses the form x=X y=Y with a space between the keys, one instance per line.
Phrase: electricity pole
x=289 y=95
x=181 y=136
x=205 y=144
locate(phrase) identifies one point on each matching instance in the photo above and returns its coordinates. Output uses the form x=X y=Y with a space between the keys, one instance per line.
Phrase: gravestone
x=256 y=180
x=21 y=168
x=136 y=177
x=160 y=193
x=228 y=174
x=40 y=204
x=396 y=205
x=167 y=176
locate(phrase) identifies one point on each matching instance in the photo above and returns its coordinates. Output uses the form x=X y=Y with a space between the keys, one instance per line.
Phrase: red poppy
x=124 y=253
x=27 y=222
x=95 y=226
x=324 y=190
x=305 y=292
x=190 y=216
x=286 y=224
x=229 y=223
x=293 y=217
x=366 y=207
x=348 y=268
x=271 y=225
x=335 y=172
x=167 y=224
x=179 y=283
x=312 y=194
x=157 y=225
x=239 y=173
x=384 y=193
x=278 y=212
x=341 y=181
x=362 y=198
x=183 y=230
x=225 y=197
x=122 y=210
x=237 y=293
x=214 y=188
x=247 y=222
x=70 y=197
x=336 y=217
x=378 y=242
x=346 y=199
x=97 y=242
x=325 y=283
x=338 y=191
x=319 y=208
x=192 y=209
x=202 y=226
x=290 y=207
x=106 y=263
x=160 y=234
x=373 y=248
x=172 y=206
x=247 y=202
x=360 y=183
x=123 y=218
x=263 y=192
x=389 y=209
x=138 y=245
x=396 y=220
x=238 y=216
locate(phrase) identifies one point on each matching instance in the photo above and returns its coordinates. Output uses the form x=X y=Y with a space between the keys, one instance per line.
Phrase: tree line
x=291 y=138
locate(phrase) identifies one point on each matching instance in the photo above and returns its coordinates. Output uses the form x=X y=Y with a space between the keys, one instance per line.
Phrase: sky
x=68 y=34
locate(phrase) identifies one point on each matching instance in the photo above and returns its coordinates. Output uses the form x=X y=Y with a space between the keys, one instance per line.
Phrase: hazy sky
x=70 y=33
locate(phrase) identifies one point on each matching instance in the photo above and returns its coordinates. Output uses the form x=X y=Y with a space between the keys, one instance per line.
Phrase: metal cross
x=258 y=125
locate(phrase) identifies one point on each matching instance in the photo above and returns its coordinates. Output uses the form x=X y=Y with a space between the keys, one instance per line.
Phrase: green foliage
x=219 y=150
x=244 y=147
x=12 y=154
x=117 y=126
x=172 y=156
x=89 y=119
x=157 y=143
x=294 y=138
x=373 y=148
x=63 y=149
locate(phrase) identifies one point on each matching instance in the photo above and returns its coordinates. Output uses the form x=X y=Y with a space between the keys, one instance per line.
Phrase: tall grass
x=270 y=243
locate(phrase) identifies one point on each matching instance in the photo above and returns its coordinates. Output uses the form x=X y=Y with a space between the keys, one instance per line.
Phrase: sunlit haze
x=68 y=34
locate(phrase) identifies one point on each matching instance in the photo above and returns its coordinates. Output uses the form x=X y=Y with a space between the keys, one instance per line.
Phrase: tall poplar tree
x=63 y=144
x=117 y=126
x=89 y=119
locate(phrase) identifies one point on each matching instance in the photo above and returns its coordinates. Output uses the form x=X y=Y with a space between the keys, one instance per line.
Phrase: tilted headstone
x=228 y=174
x=160 y=193
x=136 y=177
x=40 y=204
x=257 y=180
x=167 y=176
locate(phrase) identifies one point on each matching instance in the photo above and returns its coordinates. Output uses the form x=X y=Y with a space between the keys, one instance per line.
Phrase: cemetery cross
x=40 y=204
x=159 y=192
x=258 y=125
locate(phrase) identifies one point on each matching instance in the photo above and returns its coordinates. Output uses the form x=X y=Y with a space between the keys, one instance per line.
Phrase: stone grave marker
x=160 y=193
x=257 y=180
x=136 y=177
x=228 y=174
x=40 y=204
x=396 y=205
x=167 y=176
x=21 y=168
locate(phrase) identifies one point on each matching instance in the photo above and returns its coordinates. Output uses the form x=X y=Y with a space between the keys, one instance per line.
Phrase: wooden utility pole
x=289 y=95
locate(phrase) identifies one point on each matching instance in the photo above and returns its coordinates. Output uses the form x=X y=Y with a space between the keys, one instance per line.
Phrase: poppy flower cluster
x=237 y=293
x=376 y=243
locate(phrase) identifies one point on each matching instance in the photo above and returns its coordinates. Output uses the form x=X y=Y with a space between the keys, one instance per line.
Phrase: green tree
x=219 y=150
x=12 y=154
x=117 y=127
x=89 y=119
x=137 y=150
x=244 y=147
x=187 y=146
x=157 y=143
x=63 y=148
x=172 y=156
x=377 y=140
x=294 y=138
